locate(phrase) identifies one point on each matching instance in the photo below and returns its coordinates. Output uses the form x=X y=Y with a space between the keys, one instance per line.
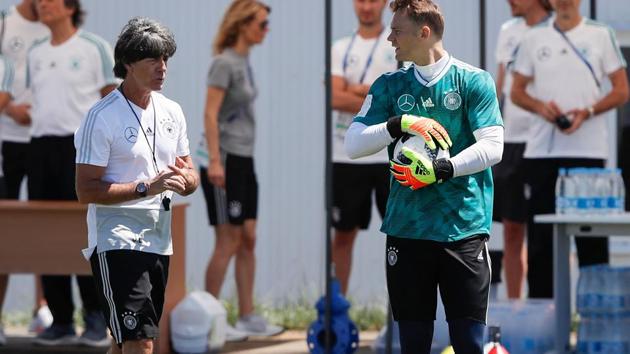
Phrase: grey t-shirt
x=231 y=71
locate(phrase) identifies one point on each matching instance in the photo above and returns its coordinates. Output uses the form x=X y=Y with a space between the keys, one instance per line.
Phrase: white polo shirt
x=515 y=119
x=19 y=35
x=560 y=75
x=111 y=137
x=350 y=56
x=66 y=80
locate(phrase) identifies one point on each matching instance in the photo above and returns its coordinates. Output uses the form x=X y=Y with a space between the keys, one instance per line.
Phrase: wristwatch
x=142 y=189
x=591 y=111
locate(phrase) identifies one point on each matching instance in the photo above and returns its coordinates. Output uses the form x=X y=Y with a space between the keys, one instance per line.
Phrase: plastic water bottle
x=617 y=200
x=613 y=339
x=581 y=199
x=584 y=286
x=601 y=190
x=570 y=192
x=561 y=203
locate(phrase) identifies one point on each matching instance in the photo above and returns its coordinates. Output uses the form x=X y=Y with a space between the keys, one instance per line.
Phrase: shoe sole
x=56 y=342
x=103 y=343
x=265 y=334
x=236 y=339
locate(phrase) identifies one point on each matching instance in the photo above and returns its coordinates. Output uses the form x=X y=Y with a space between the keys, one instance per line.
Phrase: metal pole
x=328 y=177
x=593 y=10
x=482 y=34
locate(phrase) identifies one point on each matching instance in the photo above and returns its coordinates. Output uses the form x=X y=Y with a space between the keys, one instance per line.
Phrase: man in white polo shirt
x=558 y=76
x=357 y=61
x=67 y=73
x=132 y=154
x=509 y=175
x=20 y=29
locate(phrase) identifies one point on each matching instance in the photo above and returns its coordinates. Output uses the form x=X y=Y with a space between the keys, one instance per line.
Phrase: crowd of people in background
x=56 y=77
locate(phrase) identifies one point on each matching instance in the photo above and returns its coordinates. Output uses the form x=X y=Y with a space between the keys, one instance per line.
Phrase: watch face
x=141 y=188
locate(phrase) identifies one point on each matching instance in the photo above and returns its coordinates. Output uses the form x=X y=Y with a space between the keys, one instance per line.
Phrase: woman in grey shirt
x=230 y=186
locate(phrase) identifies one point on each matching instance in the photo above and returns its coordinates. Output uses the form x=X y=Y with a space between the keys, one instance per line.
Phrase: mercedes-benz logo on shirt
x=131 y=134
x=406 y=102
x=544 y=53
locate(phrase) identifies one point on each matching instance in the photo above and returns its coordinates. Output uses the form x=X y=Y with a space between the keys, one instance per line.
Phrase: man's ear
x=425 y=32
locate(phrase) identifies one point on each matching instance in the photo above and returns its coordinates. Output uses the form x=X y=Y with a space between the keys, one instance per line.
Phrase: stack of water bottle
x=590 y=191
x=603 y=302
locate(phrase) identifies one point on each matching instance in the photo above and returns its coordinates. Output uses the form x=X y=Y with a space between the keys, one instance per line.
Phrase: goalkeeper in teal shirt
x=439 y=212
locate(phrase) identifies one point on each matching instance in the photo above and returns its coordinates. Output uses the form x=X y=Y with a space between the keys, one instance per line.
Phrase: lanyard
x=579 y=54
x=166 y=201
x=152 y=148
x=369 y=59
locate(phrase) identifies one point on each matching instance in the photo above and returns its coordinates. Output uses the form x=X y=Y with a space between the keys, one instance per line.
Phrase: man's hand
x=189 y=176
x=20 y=113
x=418 y=174
x=549 y=111
x=427 y=128
x=166 y=180
x=578 y=116
x=216 y=174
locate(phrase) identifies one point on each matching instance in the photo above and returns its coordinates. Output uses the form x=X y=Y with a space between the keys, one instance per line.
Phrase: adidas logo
x=427 y=103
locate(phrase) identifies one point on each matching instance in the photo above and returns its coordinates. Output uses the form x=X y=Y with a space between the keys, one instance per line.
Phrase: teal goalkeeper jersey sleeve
x=462 y=99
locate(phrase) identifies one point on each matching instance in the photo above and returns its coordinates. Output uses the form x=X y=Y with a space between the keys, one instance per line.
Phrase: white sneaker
x=42 y=320
x=256 y=325
x=234 y=335
x=3 y=338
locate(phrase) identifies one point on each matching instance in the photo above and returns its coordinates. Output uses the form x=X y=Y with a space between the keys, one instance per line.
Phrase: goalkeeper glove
x=421 y=172
x=427 y=128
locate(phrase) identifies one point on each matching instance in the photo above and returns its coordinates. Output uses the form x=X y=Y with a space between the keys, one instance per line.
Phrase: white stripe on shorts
x=489 y=267
x=107 y=291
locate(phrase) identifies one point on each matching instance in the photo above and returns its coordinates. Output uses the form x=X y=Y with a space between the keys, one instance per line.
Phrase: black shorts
x=509 y=185
x=415 y=269
x=51 y=168
x=131 y=286
x=239 y=200
x=352 y=194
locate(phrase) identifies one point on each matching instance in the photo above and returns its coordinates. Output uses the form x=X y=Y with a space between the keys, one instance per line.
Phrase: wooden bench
x=46 y=237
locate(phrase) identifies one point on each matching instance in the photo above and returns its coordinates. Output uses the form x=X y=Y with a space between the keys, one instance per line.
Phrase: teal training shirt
x=462 y=99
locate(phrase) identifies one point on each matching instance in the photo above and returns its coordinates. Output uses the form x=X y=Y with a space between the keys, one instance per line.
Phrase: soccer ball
x=418 y=145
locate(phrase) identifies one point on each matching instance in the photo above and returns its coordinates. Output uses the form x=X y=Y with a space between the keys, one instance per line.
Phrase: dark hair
x=78 y=15
x=142 y=38
x=423 y=12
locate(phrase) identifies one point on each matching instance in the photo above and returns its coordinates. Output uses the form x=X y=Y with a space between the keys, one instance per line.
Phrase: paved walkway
x=290 y=342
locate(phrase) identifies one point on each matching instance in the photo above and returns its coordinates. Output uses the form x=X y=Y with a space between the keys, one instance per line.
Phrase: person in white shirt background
x=558 y=75
x=509 y=183
x=67 y=73
x=356 y=62
x=20 y=29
